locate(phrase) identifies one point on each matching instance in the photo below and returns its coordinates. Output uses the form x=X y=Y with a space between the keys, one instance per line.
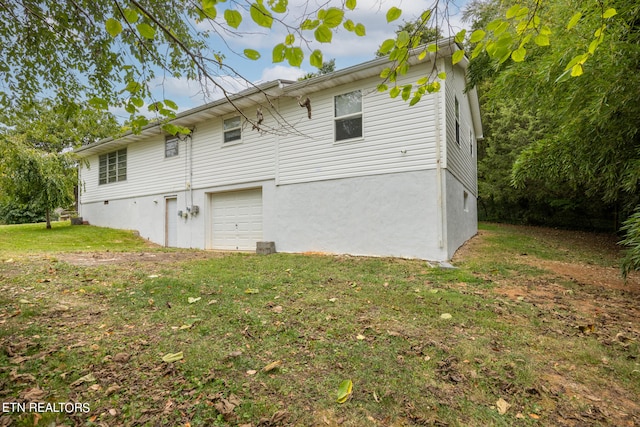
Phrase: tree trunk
x=48 y=220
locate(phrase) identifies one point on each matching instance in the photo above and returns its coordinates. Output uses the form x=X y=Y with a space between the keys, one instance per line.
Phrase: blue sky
x=347 y=48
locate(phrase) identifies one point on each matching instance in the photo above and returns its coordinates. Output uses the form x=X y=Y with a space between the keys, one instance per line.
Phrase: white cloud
x=281 y=72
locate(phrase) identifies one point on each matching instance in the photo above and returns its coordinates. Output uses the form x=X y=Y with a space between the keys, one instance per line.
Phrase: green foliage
x=631 y=228
x=31 y=176
x=12 y=212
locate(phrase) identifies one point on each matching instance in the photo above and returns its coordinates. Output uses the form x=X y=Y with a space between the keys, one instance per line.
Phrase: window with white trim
x=348 y=115
x=113 y=167
x=171 y=145
x=232 y=129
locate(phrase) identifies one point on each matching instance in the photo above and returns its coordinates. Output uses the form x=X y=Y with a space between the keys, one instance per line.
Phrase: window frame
x=237 y=128
x=112 y=167
x=171 y=139
x=456 y=109
x=348 y=116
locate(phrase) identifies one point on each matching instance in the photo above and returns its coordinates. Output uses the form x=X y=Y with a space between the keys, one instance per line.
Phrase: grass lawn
x=534 y=327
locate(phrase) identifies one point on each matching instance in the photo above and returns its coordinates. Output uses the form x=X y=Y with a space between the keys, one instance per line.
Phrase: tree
x=32 y=176
x=419 y=30
x=37 y=175
x=109 y=51
x=326 y=68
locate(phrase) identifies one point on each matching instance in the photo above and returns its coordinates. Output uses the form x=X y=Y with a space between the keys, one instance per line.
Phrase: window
x=471 y=143
x=457 y=111
x=465 y=201
x=113 y=167
x=171 y=144
x=348 y=115
x=232 y=129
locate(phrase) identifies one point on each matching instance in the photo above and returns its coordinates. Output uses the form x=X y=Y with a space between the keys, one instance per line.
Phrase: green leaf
x=541 y=40
x=323 y=34
x=403 y=38
x=130 y=15
x=351 y=4
x=333 y=17
x=278 y=54
x=279 y=6
x=99 y=103
x=406 y=92
x=442 y=75
x=289 y=40
x=432 y=48
x=519 y=54
x=477 y=35
x=460 y=36
x=344 y=391
x=146 y=31
x=574 y=20
x=316 y=58
x=252 y=54
x=382 y=87
x=295 y=56
x=394 y=92
x=385 y=73
x=138 y=102
x=113 y=26
x=513 y=11
x=577 y=70
x=593 y=46
x=361 y=31
x=457 y=56
x=609 y=13
x=349 y=25
x=260 y=15
x=386 y=46
x=170 y=104
x=233 y=18
x=309 y=24
x=393 y=14
x=423 y=55
x=133 y=87
x=172 y=357
x=416 y=98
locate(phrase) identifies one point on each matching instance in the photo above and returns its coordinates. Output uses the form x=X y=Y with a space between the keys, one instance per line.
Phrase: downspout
x=440 y=201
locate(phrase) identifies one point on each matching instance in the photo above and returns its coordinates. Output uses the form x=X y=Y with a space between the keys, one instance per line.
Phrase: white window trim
x=346 y=116
x=117 y=161
x=224 y=131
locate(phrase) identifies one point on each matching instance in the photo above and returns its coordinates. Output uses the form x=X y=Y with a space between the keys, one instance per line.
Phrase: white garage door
x=236 y=220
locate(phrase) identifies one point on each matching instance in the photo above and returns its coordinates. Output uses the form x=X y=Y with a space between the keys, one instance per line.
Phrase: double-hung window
x=171 y=144
x=232 y=129
x=113 y=167
x=348 y=115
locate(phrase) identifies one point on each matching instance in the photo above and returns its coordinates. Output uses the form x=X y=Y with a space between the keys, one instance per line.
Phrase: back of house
x=327 y=164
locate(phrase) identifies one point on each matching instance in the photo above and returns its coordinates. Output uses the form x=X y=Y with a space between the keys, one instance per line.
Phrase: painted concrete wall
x=381 y=215
x=462 y=216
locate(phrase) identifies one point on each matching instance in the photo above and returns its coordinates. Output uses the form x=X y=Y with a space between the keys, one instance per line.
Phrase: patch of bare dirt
x=92 y=259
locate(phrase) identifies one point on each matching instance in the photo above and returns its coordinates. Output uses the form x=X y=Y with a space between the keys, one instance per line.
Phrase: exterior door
x=171 y=222
x=235 y=220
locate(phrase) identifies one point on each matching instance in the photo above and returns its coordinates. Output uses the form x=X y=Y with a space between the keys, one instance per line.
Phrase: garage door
x=236 y=220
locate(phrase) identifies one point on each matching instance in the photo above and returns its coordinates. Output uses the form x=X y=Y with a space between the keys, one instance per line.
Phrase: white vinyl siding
x=460 y=159
x=396 y=137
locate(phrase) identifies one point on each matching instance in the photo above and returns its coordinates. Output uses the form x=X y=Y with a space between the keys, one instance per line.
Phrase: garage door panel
x=236 y=220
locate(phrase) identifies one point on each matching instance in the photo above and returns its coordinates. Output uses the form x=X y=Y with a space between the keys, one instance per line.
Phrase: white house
x=364 y=175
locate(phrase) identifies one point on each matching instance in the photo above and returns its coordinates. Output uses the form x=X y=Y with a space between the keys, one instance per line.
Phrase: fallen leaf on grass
x=193 y=300
x=33 y=394
x=251 y=291
x=172 y=357
x=271 y=366
x=446 y=316
x=360 y=337
x=252 y=372
x=89 y=378
x=344 y=391
x=503 y=406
